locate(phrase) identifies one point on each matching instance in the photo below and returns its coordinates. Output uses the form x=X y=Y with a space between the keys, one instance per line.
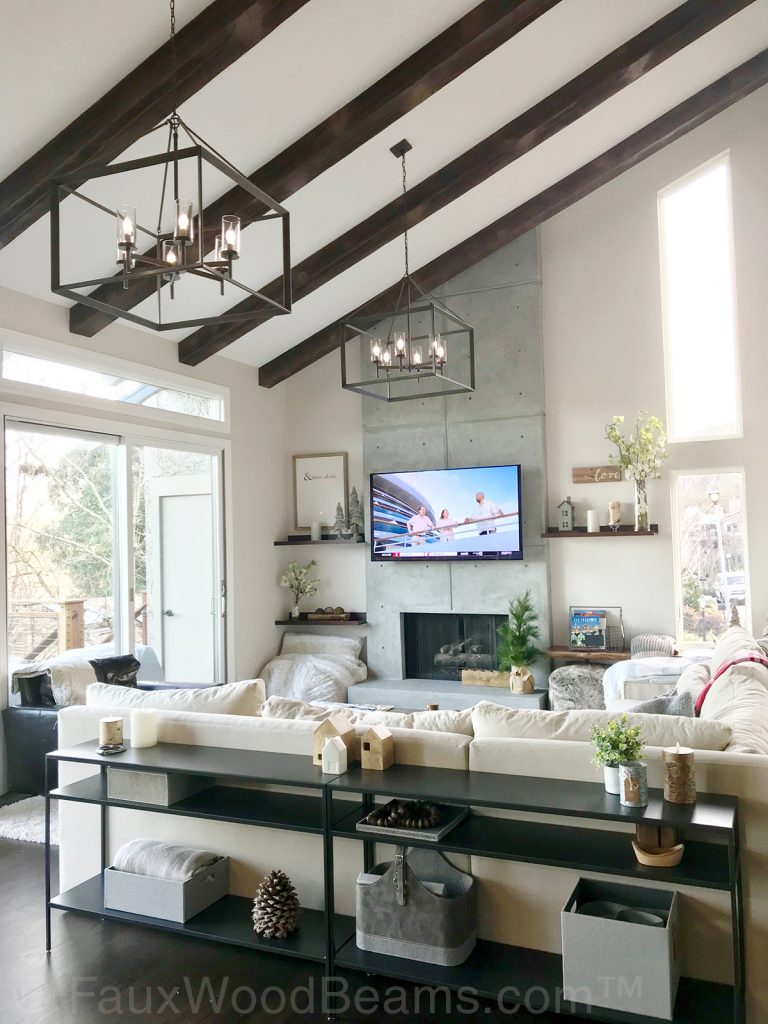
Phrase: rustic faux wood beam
x=631 y=151
x=423 y=73
x=205 y=47
x=566 y=105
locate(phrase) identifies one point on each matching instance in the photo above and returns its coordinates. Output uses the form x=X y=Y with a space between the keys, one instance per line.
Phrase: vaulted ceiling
x=514 y=111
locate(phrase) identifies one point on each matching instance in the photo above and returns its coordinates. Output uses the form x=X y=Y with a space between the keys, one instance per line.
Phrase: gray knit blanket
x=161 y=860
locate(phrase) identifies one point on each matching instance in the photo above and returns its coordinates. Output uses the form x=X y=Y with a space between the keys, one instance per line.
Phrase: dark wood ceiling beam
x=638 y=147
x=423 y=73
x=566 y=105
x=205 y=47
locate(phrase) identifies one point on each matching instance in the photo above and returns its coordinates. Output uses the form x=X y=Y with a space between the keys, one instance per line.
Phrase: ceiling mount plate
x=402 y=147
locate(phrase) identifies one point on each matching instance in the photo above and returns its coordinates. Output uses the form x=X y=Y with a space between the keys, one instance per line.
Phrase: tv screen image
x=448 y=514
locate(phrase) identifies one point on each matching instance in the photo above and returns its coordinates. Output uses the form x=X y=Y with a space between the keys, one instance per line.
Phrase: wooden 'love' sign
x=596 y=474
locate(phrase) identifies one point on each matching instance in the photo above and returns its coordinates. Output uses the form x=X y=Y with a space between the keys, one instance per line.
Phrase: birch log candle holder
x=111 y=733
x=679 y=775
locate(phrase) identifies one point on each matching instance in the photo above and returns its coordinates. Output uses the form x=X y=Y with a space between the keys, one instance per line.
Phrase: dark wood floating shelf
x=587 y=654
x=298 y=540
x=605 y=531
x=357 y=619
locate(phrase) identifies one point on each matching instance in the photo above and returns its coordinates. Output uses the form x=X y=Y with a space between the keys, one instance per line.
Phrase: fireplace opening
x=439 y=645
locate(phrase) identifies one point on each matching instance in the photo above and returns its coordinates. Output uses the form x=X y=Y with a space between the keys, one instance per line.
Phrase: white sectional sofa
x=519 y=903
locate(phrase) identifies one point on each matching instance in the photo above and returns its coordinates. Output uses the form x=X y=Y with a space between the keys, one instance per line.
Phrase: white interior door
x=188 y=599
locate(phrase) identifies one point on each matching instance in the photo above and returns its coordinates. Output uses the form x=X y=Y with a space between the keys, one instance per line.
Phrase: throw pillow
x=34 y=689
x=667 y=704
x=314 y=643
x=120 y=670
x=740 y=698
x=432 y=721
x=243 y=698
x=494 y=721
x=693 y=679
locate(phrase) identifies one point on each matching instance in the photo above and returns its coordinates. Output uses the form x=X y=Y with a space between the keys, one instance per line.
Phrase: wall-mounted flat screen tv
x=447 y=514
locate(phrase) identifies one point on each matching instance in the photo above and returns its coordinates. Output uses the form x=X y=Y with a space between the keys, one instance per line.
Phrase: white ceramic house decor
x=565 y=517
x=336 y=725
x=334 y=756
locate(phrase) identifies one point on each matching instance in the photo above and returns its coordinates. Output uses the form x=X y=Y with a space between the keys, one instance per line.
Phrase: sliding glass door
x=113 y=547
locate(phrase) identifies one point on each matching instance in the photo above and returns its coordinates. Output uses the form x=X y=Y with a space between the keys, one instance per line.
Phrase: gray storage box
x=399 y=916
x=617 y=964
x=162 y=789
x=158 y=897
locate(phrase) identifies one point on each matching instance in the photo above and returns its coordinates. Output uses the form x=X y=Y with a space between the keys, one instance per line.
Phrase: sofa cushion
x=694 y=678
x=459 y=722
x=736 y=642
x=740 y=698
x=494 y=721
x=666 y=704
x=243 y=698
x=314 y=643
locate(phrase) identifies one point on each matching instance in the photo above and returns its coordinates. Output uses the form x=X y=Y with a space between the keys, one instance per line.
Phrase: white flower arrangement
x=644 y=452
x=299 y=580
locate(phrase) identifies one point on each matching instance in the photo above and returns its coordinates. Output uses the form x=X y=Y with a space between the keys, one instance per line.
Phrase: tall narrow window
x=699 y=305
x=711 y=544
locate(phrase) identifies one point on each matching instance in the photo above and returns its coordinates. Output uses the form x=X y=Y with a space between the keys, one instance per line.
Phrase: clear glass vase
x=641 y=505
x=295 y=613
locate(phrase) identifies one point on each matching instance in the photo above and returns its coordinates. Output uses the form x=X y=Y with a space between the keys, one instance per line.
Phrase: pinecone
x=276 y=907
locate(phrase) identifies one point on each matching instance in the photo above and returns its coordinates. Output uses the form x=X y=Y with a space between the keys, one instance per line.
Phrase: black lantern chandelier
x=182 y=245
x=408 y=348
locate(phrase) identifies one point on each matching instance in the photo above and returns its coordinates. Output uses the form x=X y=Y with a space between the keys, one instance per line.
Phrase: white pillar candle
x=593 y=521
x=143 y=727
x=315 y=532
x=111 y=732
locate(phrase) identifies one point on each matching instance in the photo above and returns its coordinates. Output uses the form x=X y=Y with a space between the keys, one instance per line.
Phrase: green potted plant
x=516 y=650
x=616 y=743
x=301 y=583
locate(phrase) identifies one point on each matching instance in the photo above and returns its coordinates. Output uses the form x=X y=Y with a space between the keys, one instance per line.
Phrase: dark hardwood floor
x=101 y=970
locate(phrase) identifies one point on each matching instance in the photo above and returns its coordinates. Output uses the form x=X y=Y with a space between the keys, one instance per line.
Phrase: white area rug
x=25 y=821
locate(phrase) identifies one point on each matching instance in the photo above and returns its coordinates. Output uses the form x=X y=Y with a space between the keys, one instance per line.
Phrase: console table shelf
x=705 y=865
x=228 y=920
x=331 y=805
x=494 y=968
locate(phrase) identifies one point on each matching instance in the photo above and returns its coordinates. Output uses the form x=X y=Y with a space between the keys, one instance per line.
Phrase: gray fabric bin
x=161 y=789
x=161 y=898
x=398 y=916
x=621 y=965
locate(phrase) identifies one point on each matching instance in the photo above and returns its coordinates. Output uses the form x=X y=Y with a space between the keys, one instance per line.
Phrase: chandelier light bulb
x=400 y=343
x=387 y=357
x=417 y=357
x=126 y=227
x=375 y=351
x=230 y=237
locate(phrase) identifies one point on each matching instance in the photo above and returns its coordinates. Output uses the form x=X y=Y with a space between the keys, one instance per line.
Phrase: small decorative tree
x=340 y=525
x=301 y=583
x=355 y=512
x=516 y=650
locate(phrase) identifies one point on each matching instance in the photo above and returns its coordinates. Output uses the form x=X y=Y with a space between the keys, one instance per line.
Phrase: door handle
x=168 y=612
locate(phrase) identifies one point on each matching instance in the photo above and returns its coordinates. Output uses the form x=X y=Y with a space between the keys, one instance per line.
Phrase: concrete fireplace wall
x=501 y=422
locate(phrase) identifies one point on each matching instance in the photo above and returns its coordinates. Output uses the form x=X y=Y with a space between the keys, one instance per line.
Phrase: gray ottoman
x=576 y=687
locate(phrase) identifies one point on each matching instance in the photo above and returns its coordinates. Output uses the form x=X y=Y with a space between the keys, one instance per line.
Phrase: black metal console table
x=710 y=828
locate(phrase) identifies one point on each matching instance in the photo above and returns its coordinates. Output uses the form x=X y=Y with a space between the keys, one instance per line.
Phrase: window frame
x=27 y=345
x=677 y=561
x=724 y=159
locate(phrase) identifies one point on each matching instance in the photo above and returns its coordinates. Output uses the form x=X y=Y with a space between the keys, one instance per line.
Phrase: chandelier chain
x=405 y=215
x=174 y=62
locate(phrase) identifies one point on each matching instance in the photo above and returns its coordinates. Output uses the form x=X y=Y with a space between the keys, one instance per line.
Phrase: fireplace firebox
x=439 y=645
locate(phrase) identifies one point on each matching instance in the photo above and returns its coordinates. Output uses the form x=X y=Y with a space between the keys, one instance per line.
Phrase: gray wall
x=501 y=422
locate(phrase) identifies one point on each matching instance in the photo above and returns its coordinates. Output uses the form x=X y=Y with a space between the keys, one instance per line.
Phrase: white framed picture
x=319 y=485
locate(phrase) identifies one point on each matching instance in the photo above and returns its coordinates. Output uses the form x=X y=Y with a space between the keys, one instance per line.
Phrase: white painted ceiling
x=315 y=62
